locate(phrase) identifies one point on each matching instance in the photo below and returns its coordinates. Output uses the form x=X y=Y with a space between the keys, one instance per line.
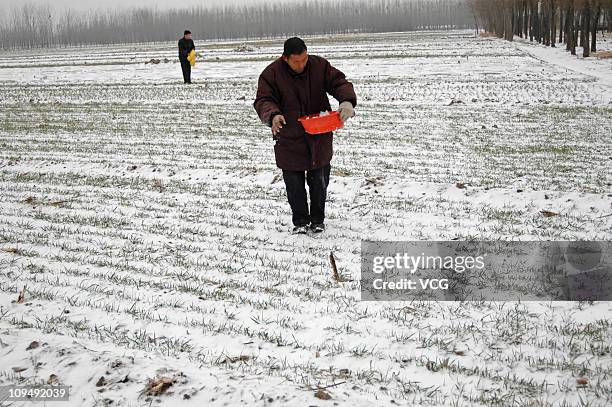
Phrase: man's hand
x=277 y=123
x=346 y=111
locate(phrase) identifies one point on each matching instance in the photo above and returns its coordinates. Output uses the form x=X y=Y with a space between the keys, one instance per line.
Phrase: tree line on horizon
x=574 y=23
x=32 y=25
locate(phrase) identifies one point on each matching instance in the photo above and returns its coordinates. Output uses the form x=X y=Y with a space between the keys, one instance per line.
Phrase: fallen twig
x=21 y=297
x=335 y=275
x=327 y=387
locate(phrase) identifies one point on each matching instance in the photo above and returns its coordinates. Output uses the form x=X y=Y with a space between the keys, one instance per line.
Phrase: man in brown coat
x=297 y=85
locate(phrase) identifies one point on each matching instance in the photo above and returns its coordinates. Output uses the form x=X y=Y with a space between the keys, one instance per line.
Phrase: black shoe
x=300 y=230
x=317 y=227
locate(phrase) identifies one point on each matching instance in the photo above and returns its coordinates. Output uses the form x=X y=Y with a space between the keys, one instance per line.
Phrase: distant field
x=150 y=225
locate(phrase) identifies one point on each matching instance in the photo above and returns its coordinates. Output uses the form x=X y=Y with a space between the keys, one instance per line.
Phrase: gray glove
x=346 y=111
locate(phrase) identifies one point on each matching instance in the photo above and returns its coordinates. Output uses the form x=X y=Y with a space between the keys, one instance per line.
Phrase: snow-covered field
x=149 y=226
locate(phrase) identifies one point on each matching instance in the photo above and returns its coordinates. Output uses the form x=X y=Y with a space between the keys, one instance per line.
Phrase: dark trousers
x=186 y=68
x=317 y=181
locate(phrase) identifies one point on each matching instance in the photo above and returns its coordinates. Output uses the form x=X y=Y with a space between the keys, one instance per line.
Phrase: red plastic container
x=317 y=124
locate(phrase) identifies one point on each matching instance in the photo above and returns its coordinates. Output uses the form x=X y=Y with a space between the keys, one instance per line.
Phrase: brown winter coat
x=282 y=91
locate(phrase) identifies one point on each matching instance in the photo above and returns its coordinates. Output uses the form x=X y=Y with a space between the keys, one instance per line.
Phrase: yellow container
x=192 y=57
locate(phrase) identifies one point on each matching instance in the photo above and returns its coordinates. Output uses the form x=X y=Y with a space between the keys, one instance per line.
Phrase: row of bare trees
x=32 y=25
x=550 y=22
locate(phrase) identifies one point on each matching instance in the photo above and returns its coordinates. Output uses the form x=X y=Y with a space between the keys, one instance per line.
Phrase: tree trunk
x=536 y=24
x=580 y=27
x=561 y=25
x=569 y=15
x=570 y=36
x=531 y=24
x=576 y=31
x=509 y=24
x=544 y=16
x=594 y=28
x=519 y=22
x=586 y=30
x=546 y=28
x=525 y=19
x=553 y=23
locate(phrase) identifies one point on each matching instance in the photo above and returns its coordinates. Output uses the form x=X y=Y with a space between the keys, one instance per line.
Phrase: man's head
x=295 y=54
x=187 y=34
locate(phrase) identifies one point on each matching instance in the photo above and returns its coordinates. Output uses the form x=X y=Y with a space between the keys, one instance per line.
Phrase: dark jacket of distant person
x=185 y=46
x=283 y=91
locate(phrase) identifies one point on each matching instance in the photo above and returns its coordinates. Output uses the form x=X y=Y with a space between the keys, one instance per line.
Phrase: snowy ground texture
x=149 y=225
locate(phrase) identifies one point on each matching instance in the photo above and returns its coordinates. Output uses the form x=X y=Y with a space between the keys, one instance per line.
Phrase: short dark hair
x=294 y=46
x=187 y=32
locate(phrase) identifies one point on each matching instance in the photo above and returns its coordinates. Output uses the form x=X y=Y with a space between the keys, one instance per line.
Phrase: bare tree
x=540 y=19
x=36 y=26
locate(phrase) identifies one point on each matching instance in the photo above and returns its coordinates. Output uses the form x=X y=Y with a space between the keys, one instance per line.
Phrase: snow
x=150 y=225
x=600 y=69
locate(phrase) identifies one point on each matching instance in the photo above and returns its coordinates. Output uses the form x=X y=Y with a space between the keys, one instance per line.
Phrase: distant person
x=185 y=46
x=296 y=85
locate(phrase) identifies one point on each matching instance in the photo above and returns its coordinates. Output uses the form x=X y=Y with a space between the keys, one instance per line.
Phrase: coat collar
x=292 y=72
